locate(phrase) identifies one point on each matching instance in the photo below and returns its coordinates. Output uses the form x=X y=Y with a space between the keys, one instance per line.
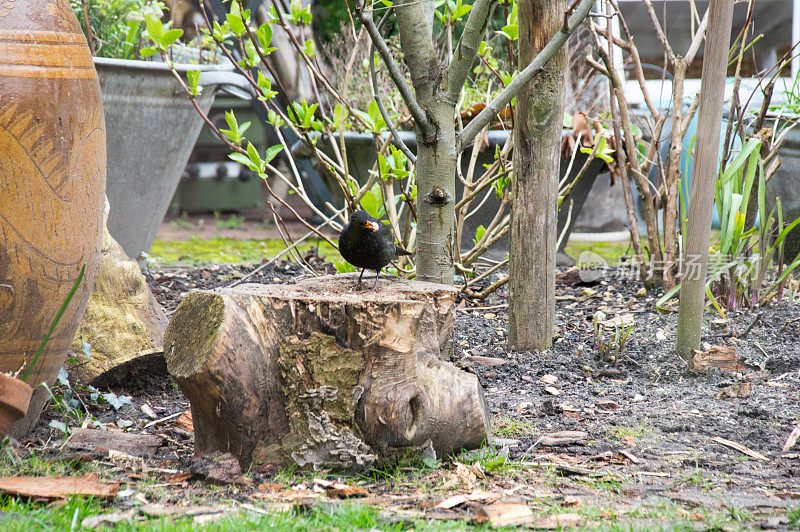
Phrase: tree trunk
x=436 y=155
x=319 y=375
x=532 y=256
x=701 y=198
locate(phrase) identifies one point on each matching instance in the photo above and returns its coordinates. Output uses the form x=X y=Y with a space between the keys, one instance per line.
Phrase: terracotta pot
x=52 y=181
x=15 y=396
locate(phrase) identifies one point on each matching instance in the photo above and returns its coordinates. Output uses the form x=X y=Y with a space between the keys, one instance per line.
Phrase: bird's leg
x=358 y=284
x=377 y=274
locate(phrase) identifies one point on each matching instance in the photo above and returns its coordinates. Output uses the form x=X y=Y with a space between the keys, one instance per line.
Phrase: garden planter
x=152 y=129
x=361 y=157
x=15 y=396
x=52 y=179
x=785 y=182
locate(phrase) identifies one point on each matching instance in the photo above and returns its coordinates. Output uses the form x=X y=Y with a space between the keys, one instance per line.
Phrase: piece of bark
x=564 y=437
x=123 y=321
x=49 y=488
x=504 y=514
x=320 y=375
x=141 y=445
x=722 y=357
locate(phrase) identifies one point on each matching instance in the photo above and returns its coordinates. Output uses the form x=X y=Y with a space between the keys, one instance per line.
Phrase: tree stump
x=320 y=375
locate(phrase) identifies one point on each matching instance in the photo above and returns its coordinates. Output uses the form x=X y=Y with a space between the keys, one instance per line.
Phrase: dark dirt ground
x=647 y=457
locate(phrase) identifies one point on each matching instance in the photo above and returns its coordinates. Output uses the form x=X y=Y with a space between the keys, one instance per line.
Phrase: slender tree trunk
x=540 y=107
x=436 y=155
x=698 y=229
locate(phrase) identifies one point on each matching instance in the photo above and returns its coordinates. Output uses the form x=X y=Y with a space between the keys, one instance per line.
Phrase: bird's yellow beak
x=372 y=226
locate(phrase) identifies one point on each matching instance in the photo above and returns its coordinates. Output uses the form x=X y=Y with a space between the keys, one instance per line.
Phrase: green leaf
x=255 y=158
x=272 y=152
x=193 y=76
x=171 y=36
x=479 y=232
x=340 y=114
x=309 y=49
x=372 y=202
x=243 y=160
x=264 y=35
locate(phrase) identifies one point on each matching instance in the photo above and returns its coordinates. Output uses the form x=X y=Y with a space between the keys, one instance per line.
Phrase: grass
x=17 y=516
x=199 y=252
x=632 y=433
x=508 y=427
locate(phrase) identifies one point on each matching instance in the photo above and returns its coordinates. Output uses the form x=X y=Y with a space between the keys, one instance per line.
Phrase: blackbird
x=367 y=243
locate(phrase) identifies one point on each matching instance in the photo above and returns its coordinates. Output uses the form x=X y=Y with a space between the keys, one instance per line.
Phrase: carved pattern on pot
x=5 y=7
x=36 y=172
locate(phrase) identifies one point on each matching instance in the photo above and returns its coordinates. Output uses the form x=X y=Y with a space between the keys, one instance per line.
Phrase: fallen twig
x=739 y=447
x=167 y=418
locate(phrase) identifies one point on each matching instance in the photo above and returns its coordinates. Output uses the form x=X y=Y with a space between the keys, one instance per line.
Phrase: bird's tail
x=400 y=251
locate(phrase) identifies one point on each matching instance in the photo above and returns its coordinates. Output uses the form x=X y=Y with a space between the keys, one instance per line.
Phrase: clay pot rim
x=15 y=393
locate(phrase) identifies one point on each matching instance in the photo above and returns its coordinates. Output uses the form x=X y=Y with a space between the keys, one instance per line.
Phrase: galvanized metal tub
x=152 y=127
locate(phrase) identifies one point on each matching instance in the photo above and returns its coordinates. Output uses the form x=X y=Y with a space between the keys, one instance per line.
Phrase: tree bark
x=436 y=155
x=540 y=107
x=701 y=198
x=318 y=375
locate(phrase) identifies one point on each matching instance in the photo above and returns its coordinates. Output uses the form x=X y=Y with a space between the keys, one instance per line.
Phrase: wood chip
x=571 y=501
x=548 y=380
x=141 y=445
x=738 y=390
x=722 y=357
x=345 y=491
x=489 y=362
x=109 y=519
x=48 y=488
x=504 y=514
x=623 y=321
x=630 y=456
x=452 y=502
x=741 y=448
x=564 y=437
x=606 y=404
x=792 y=440
x=185 y=422
x=552 y=390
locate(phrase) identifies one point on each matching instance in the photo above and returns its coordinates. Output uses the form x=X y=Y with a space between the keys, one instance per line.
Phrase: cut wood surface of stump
x=321 y=375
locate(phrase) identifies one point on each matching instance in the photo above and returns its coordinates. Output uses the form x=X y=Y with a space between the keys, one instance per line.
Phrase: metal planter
x=152 y=127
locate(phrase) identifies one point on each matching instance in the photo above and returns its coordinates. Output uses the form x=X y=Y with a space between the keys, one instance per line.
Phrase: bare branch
x=662 y=37
x=697 y=40
x=420 y=118
x=376 y=94
x=530 y=71
x=467 y=48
